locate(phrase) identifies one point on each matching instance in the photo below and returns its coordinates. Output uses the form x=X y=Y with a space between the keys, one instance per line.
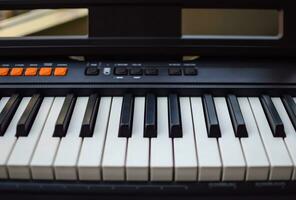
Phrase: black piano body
x=246 y=67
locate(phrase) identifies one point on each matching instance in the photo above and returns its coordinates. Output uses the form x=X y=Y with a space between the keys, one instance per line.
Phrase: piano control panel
x=201 y=71
x=98 y=72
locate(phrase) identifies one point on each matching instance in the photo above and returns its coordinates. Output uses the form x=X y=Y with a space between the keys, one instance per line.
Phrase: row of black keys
x=150 y=130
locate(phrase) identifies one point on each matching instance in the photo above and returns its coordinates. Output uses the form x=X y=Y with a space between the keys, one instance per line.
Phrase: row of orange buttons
x=32 y=71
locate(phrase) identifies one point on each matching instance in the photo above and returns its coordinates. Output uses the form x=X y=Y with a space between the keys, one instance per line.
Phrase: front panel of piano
x=244 y=76
x=118 y=96
x=136 y=121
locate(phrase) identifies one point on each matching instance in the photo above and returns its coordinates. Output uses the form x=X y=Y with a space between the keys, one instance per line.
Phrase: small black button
x=120 y=71
x=151 y=71
x=136 y=71
x=190 y=71
x=91 y=71
x=175 y=71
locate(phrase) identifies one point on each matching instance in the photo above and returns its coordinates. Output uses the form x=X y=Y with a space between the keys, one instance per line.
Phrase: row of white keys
x=185 y=159
x=230 y=147
x=280 y=162
x=209 y=161
x=290 y=138
x=194 y=156
x=19 y=160
x=8 y=140
x=69 y=148
x=161 y=147
x=254 y=152
x=89 y=163
x=113 y=164
x=45 y=152
x=137 y=158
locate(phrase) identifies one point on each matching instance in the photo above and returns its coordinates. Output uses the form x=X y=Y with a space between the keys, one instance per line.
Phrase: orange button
x=31 y=71
x=60 y=71
x=17 y=71
x=45 y=71
x=4 y=71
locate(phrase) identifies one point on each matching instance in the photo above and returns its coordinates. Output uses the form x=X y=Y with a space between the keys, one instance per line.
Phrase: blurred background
x=46 y=22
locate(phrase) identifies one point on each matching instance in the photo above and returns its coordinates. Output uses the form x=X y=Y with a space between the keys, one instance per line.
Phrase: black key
x=126 y=118
x=273 y=117
x=26 y=121
x=290 y=108
x=64 y=117
x=211 y=116
x=89 y=119
x=8 y=112
x=238 y=121
x=150 y=116
x=175 y=126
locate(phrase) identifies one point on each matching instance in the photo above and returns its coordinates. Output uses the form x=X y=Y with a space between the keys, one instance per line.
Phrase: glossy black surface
x=64 y=117
x=237 y=118
x=8 y=112
x=211 y=117
x=126 y=117
x=90 y=116
x=216 y=76
x=150 y=129
x=275 y=122
x=175 y=124
x=28 y=117
x=290 y=107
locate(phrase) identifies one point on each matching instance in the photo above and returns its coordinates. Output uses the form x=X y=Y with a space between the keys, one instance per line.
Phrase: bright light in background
x=43 y=22
x=231 y=22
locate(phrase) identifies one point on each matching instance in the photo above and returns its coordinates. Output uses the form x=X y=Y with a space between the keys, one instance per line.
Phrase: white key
x=44 y=154
x=8 y=140
x=19 y=160
x=230 y=147
x=68 y=152
x=115 y=147
x=90 y=158
x=255 y=156
x=280 y=162
x=185 y=159
x=209 y=161
x=290 y=138
x=137 y=160
x=3 y=102
x=161 y=155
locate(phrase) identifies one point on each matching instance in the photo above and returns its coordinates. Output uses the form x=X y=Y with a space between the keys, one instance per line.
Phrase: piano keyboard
x=148 y=138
